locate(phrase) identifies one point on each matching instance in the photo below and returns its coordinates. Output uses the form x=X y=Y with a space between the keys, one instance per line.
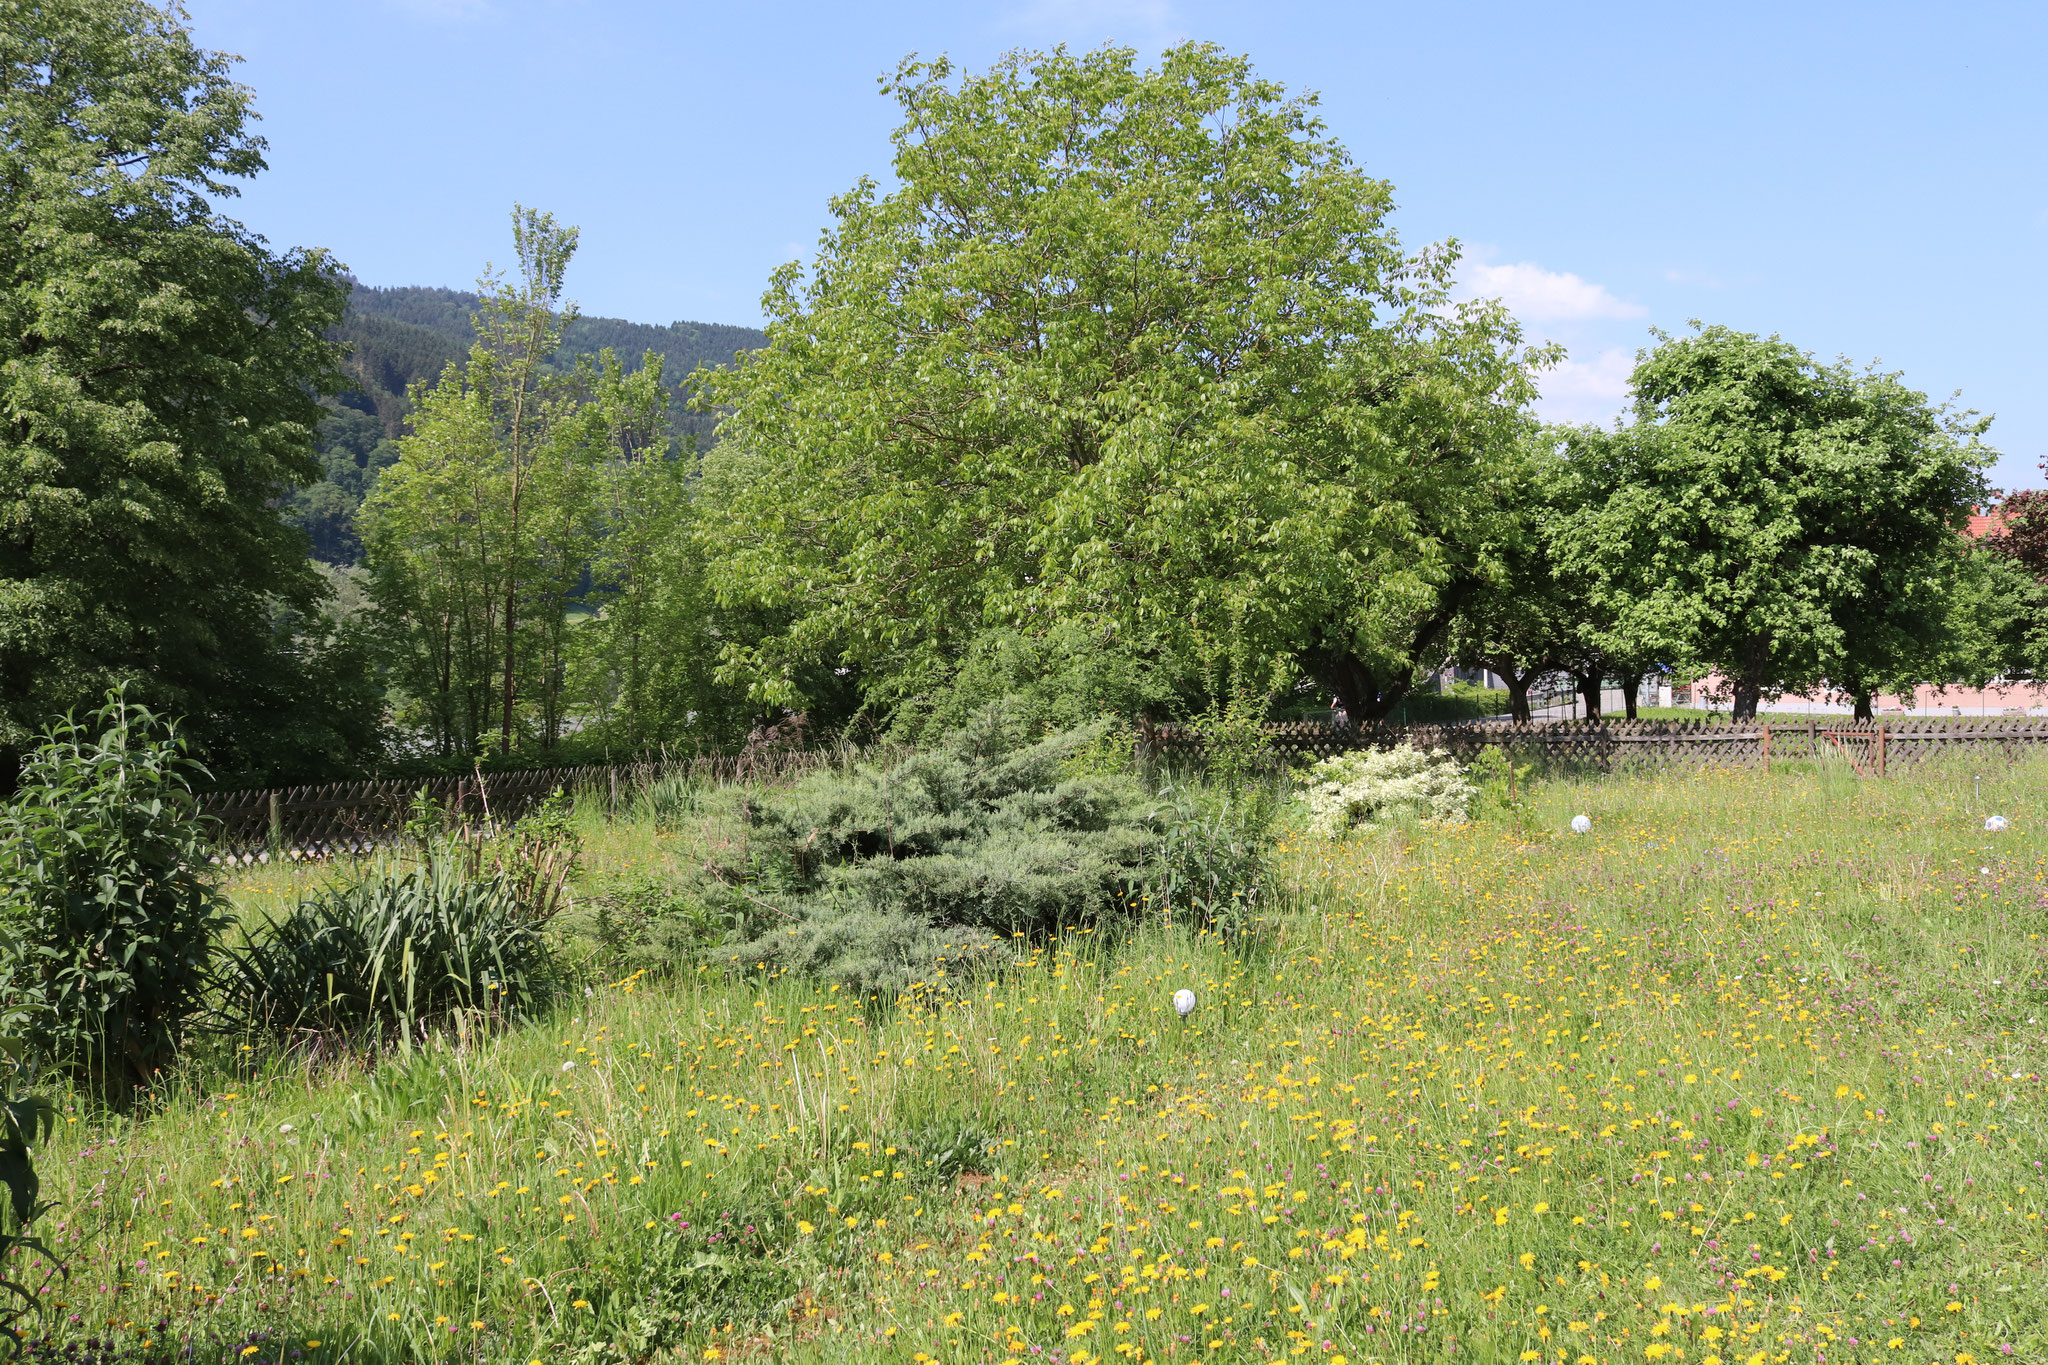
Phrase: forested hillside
x=406 y=335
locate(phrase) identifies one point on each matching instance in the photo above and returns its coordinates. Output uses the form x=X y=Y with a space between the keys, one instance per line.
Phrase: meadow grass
x=1750 y=1073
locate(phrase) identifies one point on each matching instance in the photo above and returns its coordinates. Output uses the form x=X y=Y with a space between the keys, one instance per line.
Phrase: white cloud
x=1536 y=295
x=1593 y=390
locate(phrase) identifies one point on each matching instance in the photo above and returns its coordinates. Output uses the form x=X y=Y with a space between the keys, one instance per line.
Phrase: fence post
x=1880 y=750
x=276 y=839
x=1763 y=745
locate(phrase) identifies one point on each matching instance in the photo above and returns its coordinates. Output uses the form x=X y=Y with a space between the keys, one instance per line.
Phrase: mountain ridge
x=403 y=335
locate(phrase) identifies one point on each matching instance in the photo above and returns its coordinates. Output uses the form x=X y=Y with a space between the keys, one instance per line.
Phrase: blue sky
x=1866 y=180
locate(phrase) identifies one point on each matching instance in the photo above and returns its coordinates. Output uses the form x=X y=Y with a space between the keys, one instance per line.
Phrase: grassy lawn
x=1750 y=1073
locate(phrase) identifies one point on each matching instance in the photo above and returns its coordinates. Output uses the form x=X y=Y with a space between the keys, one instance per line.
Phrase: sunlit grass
x=1750 y=1073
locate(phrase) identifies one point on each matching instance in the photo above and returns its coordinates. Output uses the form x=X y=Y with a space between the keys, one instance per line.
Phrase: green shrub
x=1369 y=785
x=667 y=801
x=25 y=1121
x=647 y=922
x=1500 y=781
x=108 y=906
x=1211 y=860
x=403 y=946
x=883 y=876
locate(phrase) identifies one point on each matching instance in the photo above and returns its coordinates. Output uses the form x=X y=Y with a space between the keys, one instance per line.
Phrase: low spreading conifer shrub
x=886 y=874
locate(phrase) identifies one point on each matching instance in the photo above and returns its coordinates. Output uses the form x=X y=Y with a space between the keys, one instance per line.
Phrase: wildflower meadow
x=1749 y=1073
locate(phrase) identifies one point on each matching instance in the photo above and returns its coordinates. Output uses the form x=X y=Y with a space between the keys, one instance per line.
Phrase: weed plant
x=1751 y=1073
x=108 y=909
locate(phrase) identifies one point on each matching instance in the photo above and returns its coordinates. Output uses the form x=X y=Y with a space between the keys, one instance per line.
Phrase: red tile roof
x=1984 y=524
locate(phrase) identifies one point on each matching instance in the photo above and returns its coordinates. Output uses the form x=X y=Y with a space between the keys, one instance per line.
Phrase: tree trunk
x=1631 y=688
x=1749 y=687
x=1863 y=707
x=1589 y=692
x=1518 y=695
x=1365 y=698
x=511 y=658
x=1748 y=693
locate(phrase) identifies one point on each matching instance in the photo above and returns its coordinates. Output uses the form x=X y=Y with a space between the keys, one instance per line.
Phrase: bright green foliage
x=26 y=1123
x=1129 y=347
x=1784 y=522
x=480 y=535
x=1519 y=621
x=460 y=928
x=159 y=367
x=1211 y=865
x=881 y=876
x=107 y=898
x=403 y=945
x=1065 y=676
x=642 y=668
x=1535 y=611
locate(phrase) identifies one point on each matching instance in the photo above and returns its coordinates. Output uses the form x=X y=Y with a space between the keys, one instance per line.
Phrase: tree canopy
x=1134 y=348
x=160 y=368
x=1782 y=521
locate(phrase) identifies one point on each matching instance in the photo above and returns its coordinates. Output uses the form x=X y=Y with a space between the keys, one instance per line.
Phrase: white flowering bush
x=1366 y=785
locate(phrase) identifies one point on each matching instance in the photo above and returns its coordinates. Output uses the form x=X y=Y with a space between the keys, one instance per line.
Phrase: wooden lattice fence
x=1870 y=746
x=354 y=817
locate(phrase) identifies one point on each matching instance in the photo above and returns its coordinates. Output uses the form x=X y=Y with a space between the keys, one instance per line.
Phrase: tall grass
x=1751 y=1072
x=392 y=949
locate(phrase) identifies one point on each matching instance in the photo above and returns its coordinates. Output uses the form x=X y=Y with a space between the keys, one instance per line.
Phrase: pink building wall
x=1999 y=699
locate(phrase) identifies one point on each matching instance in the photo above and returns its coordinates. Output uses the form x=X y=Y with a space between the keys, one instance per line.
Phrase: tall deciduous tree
x=1786 y=523
x=479 y=536
x=1130 y=347
x=643 y=665
x=159 y=370
x=1520 y=621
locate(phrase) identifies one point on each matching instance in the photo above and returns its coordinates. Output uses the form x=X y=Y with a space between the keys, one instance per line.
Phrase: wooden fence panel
x=354 y=817
x=342 y=818
x=1871 y=745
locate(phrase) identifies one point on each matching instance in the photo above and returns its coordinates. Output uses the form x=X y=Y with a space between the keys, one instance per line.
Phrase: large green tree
x=159 y=374
x=481 y=536
x=1124 y=347
x=1521 y=620
x=1786 y=523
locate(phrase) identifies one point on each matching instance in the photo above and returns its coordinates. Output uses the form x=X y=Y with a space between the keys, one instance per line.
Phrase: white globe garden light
x=1582 y=824
x=1994 y=824
x=1183 y=1002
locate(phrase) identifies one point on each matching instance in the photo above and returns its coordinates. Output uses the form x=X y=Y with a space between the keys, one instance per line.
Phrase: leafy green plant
x=1499 y=780
x=699 y=1271
x=941 y=1153
x=1211 y=859
x=668 y=800
x=24 y=1121
x=457 y=929
x=108 y=907
x=647 y=921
